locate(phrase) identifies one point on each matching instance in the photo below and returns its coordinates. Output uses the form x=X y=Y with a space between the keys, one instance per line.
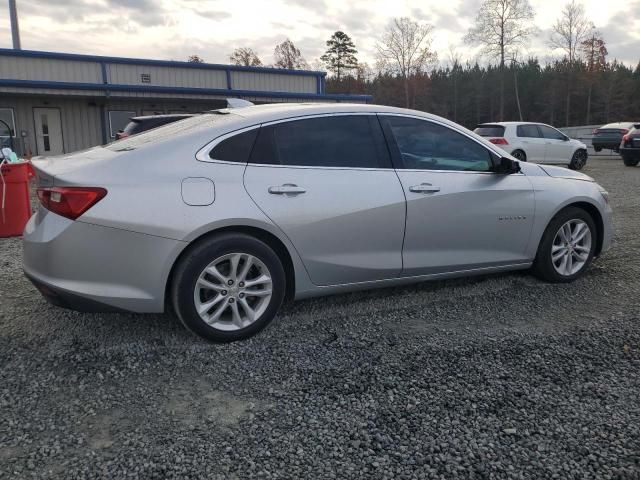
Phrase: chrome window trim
x=202 y=155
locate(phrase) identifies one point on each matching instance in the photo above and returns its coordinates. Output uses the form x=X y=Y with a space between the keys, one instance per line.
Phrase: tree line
x=580 y=87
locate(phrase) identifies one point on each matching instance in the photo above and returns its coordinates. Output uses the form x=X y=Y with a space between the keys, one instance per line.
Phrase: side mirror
x=506 y=166
x=565 y=139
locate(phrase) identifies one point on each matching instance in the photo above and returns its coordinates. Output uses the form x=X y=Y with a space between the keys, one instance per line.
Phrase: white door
x=533 y=143
x=48 y=128
x=559 y=149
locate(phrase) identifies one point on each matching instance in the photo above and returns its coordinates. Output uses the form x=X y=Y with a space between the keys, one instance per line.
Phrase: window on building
x=6 y=115
x=118 y=120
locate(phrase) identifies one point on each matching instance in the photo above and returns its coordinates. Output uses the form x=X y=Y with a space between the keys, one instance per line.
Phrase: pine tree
x=340 y=54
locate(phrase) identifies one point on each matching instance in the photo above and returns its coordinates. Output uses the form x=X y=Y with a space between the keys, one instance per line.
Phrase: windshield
x=188 y=125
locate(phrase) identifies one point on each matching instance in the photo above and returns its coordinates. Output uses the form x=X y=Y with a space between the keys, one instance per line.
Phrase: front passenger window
x=425 y=145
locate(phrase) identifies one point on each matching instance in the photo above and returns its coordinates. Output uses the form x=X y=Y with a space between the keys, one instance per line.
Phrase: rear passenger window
x=354 y=141
x=528 y=131
x=236 y=148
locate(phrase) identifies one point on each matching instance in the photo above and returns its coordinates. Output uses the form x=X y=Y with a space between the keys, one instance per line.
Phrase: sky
x=212 y=29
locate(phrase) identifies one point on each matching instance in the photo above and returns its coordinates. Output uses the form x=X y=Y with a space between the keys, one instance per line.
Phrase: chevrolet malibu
x=223 y=216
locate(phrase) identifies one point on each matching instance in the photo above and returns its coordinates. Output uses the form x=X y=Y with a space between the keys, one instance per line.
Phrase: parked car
x=147 y=122
x=610 y=135
x=223 y=216
x=630 y=146
x=536 y=143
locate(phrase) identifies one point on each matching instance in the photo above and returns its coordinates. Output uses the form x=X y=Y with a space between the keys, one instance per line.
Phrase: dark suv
x=630 y=146
x=142 y=124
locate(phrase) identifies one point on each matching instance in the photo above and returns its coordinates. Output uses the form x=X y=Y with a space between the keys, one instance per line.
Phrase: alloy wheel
x=571 y=247
x=233 y=291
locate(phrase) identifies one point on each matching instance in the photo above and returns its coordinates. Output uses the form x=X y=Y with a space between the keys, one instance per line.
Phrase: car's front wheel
x=579 y=160
x=567 y=246
x=228 y=287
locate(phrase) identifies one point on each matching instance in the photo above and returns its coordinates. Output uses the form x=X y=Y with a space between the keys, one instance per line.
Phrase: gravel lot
x=491 y=377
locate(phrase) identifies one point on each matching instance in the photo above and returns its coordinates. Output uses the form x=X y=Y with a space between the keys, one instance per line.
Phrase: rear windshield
x=490 y=130
x=189 y=125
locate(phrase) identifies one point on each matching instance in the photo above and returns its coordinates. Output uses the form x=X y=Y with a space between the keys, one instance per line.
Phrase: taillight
x=499 y=141
x=595 y=131
x=624 y=131
x=70 y=202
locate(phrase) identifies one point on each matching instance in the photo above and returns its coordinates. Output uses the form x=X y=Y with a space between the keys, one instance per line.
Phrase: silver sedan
x=223 y=216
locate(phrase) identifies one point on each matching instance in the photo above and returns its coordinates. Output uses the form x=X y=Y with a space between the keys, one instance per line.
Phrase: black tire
x=519 y=155
x=579 y=160
x=630 y=162
x=597 y=149
x=543 y=266
x=203 y=254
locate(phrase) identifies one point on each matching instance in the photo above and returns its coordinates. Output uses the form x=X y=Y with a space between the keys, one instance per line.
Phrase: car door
x=534 y=145
x=559 y=149
x=460 y=215
x=327 y=182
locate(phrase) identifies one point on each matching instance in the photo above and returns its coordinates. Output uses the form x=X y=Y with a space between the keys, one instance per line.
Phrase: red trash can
x=15 y=192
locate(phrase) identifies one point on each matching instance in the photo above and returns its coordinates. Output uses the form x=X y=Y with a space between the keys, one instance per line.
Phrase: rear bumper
x=611 y=143
x=89 y=267
x=72 y=301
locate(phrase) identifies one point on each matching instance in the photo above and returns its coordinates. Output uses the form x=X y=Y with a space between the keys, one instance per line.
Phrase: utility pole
x=15 y=31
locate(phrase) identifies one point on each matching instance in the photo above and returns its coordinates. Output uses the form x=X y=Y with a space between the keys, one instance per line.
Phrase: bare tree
x=288 y=56
x=195 y=59
x=245 y=57
x=501 y=28
x=569 y=31
x=405 y=48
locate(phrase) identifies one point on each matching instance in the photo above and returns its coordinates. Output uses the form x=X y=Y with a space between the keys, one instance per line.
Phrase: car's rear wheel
x=567 y=246
x=228 y=287
x=630 y=161
x=579 y=160
x=519 y=155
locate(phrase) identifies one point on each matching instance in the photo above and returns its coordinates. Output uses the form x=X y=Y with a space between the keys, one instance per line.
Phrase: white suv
x=535 y=142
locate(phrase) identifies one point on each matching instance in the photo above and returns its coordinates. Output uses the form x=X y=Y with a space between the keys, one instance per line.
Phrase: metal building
x=58 y=102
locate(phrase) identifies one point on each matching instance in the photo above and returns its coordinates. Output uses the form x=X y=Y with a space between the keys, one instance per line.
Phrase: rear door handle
x=287 y=188
x=424 y=188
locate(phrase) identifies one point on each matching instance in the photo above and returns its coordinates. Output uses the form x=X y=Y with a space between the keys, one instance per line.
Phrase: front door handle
x=287 y=188
x=424 y=188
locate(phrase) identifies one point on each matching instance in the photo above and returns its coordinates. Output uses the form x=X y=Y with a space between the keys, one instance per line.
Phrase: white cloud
x=175 y=29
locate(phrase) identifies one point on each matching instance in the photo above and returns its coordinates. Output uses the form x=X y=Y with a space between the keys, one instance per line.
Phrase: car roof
x=275 y=111
x=618 y=125
x=505 y=124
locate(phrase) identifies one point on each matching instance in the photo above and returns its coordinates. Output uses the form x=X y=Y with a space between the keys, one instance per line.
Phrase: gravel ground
x=492 y=377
